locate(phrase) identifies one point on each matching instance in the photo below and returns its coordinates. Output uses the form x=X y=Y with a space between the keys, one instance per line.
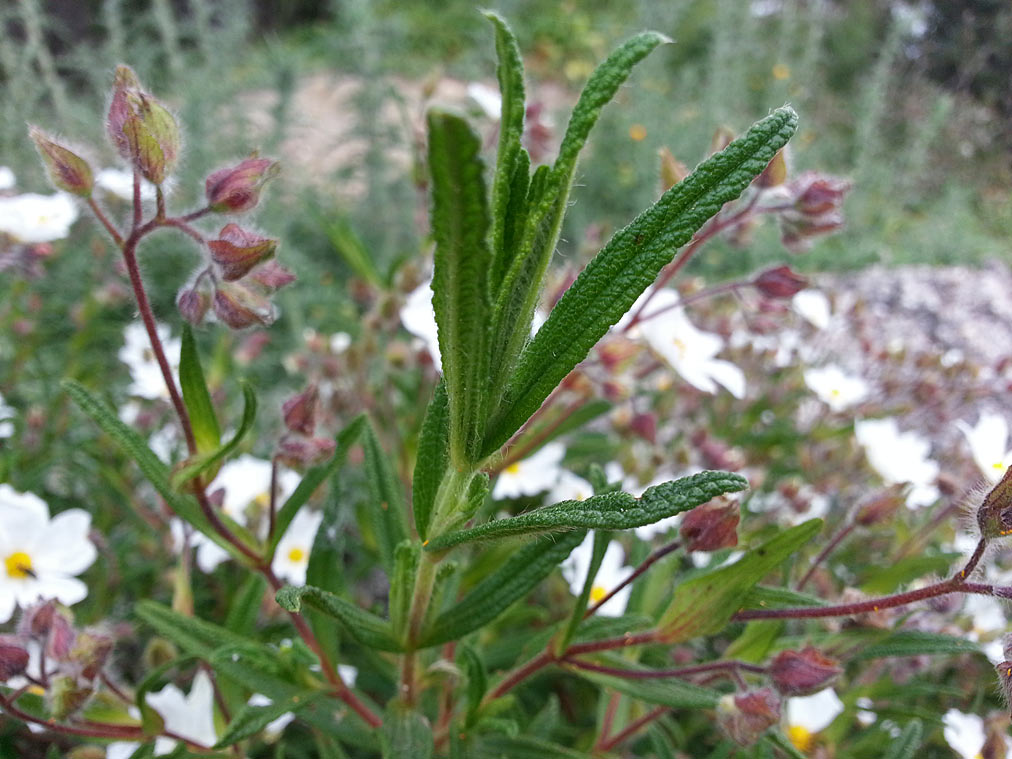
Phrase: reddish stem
x=656 y=556
x=104 y=220
x=522 y=451
x=633 y=727
x=830 y=547
x=517 y=676
x=609 y=720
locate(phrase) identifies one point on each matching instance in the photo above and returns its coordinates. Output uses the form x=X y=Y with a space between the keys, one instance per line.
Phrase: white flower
x=340 y=342
x=900 y=457
x=808 y=715
x=136 y=353
x=41 y=556
x=837 y=390
x=988 y=441
x=292 y=557
x=7 y=178
x=32 y=218
x=688 y=350
x=7 y=413
x=813 y=306
x=965 y=734
x=532 y=475
x=121 y=184
x=609 y=576
x=274 y=728
x=570 y=487
x=419 y=318
x=487 y=98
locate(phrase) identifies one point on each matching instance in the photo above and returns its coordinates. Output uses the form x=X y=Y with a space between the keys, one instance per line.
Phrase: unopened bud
x=1004 y=670
x=13 y=657
x=994 y=516
x=238 y=307
x=90 y=652
x=879 y=509
x=300 y=452
x=67 y=170
x=61 y=638
x=816 y=194
x=779 y=282
x=158 y=652
x=193 y=305
x=37 y=620
x=271 y=276
x=151 y=136
x=67 y=696
x=673 y=171
x=802 y=673
x=299 y=411
x=119 y=110
x=775 y=173
x=645 y=425
x=746 y=716
x=237 y=251
x=237 y=189
x=796 y=233
x=711 y=527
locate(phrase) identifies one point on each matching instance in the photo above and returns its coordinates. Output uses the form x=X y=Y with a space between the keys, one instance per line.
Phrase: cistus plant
x=439 y=671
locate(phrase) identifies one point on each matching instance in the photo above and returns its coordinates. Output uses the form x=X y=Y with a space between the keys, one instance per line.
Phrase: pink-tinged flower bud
x=193 y=305
x=67 y=170
x=711 y=527
x=67 y=696
x=61 y=638
x=796 y=232
x=272 y=276
x=779 y=282
x=119 y=110
x=775 y=173
x=238 y=306
x=300 y=452
x=37 y=620
x=994 y=515
x=746 y=716
x=673 y=171
x=237 y=251
x=879 y=509
x=1004 y=670
x=151 y=135
x=90 y=652
x=237 y=189
x=299 y=411
x=802 y=673
x=645 y=425
x=816 y=194
x=13 y=657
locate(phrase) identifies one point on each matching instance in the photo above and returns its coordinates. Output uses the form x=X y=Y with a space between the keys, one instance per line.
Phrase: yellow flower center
x=800 y=737
x=680 y=345
x=999 y=465
x=19 y=565
x=637 y=132
x=835 y=392
x=263 y=500
x=597 y=593
x=513 y=468
x=781 y=72
x=296 y=555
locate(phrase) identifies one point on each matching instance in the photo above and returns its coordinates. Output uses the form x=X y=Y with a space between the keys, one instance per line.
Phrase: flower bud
x=711 y=527
x=13 y=657
x=300 y=452
x=796 y=233
x=237 y=251
x=816 y=194
x=746 y=716
x=67 y=170
x=193 y=305
x=37 y=620
x=272 y=276
x=90 y=652
x=802 y=673
x=237 y=189
x=67 y=696
x=61 y=638
x=238 y=307
x=879 y=509
x=1004 y=670
x=994 y=516
x=299 y=411
x=673 y=171
x=775 y=173
x=149 y=132
x=645 y=425
x=779 y=282
x=119 y=111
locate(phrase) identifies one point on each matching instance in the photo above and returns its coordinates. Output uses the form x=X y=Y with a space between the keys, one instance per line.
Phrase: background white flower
x=532 y=475
x=419 y=318
x=7 y=413
x=988 y=441
x=33 y=218
x=836 y=389
x=899 y=458
x=136 y=353
x=612 y=572
x=965 y=734
x=120 y=183
x=808 y=715
x=292 y=557
x=570 y=487
x=813 y=307
x=41 y=556
x=7 y=178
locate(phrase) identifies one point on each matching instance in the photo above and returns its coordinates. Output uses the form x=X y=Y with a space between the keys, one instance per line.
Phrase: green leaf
x=152 y=467
x=609 y=511
x=473 y=667
x=917 y=643
x=548 y=199
x=197 y=399
x=762 y=597
x=326 y=556
x=195 y=636
x=315 y=477
x=601 y=540
x=351 y=248
x=385 y=509
x=405 y=733
x=514 y=579
x=205 y=462
x=669 y=691
x=431 y=460
x=706 y=603
x=755 y=642
x=460 y=226
x=364 y=626
x=626 y=266
x=250 y=720
x=402 y=583
x=906 y=745
x=245 y=607
x=526 y=747
x=782 y=743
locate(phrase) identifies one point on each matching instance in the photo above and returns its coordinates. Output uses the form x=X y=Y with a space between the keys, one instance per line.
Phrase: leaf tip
x=289 y=598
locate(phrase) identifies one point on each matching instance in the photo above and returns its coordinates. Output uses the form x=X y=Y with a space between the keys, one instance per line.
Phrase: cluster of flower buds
x=299 y=448
x=142 y=129
x=746 y=716
x=815 y=208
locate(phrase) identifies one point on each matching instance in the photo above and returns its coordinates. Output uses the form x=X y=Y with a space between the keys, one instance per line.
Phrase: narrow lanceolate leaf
x=673 y=692
x=196 y=397
x=473 y=667
x=917 y=643
x=761 y=597
x=520 y=574
x=195 y=636
x=386 y=509
x=706 y=603
x=156 y=472
x=460 y=226
x=505 y=193
x=609 y=511
x=906 y=745
x=328 y=553
x=315 y=477
x=250 y=719
x=402 y=583
x=627 y=265
x=405 y=733
x=531 y=251
x=208 y=463
x=431 y=460
x=364 y=626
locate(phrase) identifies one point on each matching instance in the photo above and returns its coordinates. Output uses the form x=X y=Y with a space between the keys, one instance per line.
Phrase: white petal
x=728 y=375
x=7 y=603
x=815 y=712
x=65 y=547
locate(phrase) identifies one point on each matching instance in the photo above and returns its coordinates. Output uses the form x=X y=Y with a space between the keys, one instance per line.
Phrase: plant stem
x=633 y=727
x=104 y=220
x=830 y=547
x=650 y=560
